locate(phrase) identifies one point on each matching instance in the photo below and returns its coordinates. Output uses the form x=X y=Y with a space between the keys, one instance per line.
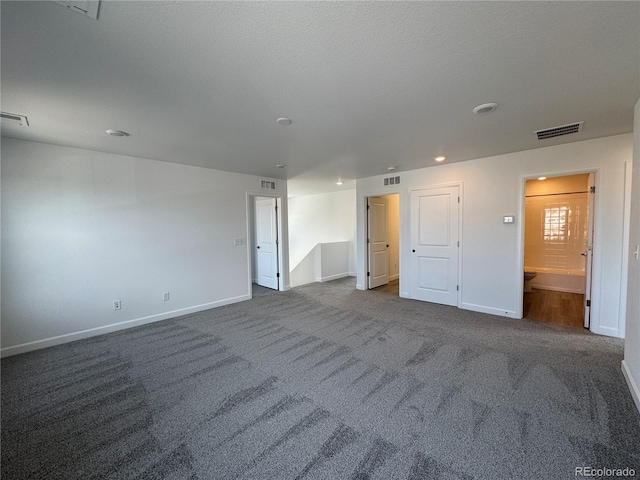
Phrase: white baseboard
x=114 y=327
x=359 y=286
x=332 y=277
x=490 y=310
x=558 y=289
x=404 y=294
x=393 y=277
x=353 y=274
x=287 y=287
x=633 y=386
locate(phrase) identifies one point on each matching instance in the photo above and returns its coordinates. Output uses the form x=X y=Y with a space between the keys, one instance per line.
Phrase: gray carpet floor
x=326 y=382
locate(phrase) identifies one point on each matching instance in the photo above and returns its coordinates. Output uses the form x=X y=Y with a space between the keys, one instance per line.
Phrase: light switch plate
x=508 y=219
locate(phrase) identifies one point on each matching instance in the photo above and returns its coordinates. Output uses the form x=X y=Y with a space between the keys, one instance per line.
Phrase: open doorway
x=383 y=243
x=558 y=249
x=265 y=245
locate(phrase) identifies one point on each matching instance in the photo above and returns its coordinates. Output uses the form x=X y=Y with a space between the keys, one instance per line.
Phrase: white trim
x=365 y=232
x=250 y=198
x=394 y=277
x=633 y=386
x=114 y=327
x=558 y=289
x=332 y=277
x=597 y=245
x=404 y=295
x=490 y=310
x=287 y=287
x=624 y=268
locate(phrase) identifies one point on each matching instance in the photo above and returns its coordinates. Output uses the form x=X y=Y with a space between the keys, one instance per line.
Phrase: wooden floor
x=559 y=308
x=392 y=287
x=547 y=306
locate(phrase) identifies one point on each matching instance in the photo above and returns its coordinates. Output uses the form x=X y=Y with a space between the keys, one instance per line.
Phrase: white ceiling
x=368 y=85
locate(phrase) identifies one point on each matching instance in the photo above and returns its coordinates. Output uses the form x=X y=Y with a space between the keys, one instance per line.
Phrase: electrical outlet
x=117 y=305
x=165 y=296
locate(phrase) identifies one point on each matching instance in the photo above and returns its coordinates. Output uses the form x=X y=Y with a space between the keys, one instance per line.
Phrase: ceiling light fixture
x=117 y=133
x=280 y=165
x=485 y=108
x=391 y=169
x=440 y=158
x=542 y=178
x=284 y=121
x=339 y=182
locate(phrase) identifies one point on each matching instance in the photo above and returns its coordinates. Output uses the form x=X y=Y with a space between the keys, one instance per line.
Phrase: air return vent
x=88 y=8
x=391 y=181
x=559 y=131
x=267 y=184
x=13 y=119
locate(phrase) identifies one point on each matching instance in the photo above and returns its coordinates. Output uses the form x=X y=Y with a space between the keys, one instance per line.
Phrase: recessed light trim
x=281 y=165
x=117 y=133
x=485 y=108
x=391 y=169
x=542 y=178
x=440 y=158
x=284 y=121
x=339 y=182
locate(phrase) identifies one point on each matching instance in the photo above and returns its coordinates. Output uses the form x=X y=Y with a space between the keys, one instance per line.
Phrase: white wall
x=491 y=252
x=321 y=218
x=631 y=362
x=82 y=229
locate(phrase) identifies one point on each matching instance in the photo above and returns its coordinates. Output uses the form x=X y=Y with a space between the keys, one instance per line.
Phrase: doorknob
x=258 y=246
x=584 y=254
x=413 y=251
x=387 y=246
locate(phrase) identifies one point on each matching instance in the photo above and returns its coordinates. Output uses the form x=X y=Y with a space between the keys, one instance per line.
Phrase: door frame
x=250 y=243
x=460 y=186
x=365 y=246
x=596 y=256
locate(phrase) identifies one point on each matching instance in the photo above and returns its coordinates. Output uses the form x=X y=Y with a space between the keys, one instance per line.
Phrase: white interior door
x=589 y=253
x=378 y=273
x=267 y=242
x=434 y=245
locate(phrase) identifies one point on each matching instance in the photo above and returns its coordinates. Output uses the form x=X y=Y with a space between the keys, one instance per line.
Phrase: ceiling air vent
x=13 y=119
x=267 y=184
x=88 y=8
x=559 y=131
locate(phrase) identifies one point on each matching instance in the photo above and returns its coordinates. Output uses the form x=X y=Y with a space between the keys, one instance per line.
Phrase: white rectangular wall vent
x=88 y=8
x=267 y=184
x=391 y=181
x=559 y=131
x=13 y=119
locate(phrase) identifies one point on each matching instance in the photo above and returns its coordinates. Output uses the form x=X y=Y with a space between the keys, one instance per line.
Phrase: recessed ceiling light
x=440 y=158
x=284 y=121
x=391 y=169
x=542 y=178
x=485 y=108
x=339 y=182
x=117 y=133
x=280 y=165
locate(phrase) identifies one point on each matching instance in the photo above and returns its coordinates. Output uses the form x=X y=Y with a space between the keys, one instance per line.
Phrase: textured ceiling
x=368 y=85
